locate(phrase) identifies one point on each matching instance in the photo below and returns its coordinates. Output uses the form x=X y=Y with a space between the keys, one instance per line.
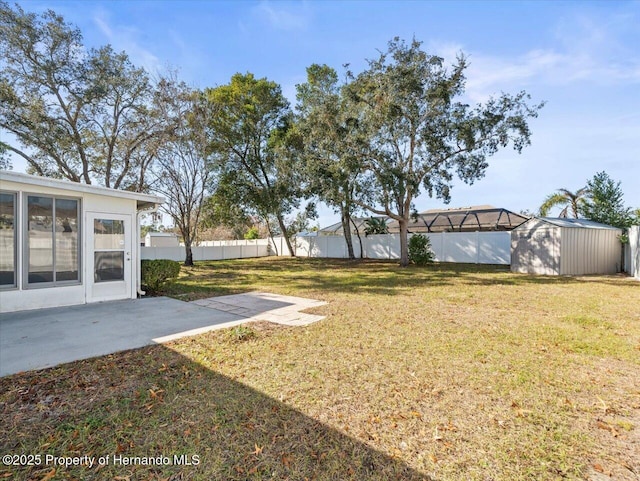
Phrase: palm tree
x=568 y=199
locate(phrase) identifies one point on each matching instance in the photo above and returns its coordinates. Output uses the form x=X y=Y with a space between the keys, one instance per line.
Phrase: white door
x=108 y=263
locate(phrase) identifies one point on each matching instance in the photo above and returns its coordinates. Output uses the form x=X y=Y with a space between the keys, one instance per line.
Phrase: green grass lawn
x=447 y=372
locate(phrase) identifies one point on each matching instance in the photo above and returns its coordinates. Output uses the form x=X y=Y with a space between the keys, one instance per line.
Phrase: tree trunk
x=265 y=218
x=359 y=240
x=284 y=234
x=188 y=260
x=404 y=242
x=346 y=228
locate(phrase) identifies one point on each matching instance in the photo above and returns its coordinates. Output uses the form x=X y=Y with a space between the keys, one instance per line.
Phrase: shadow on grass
x=339 y=275
x=155 y=402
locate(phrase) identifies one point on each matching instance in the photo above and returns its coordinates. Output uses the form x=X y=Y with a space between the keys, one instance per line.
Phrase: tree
x=76 y=114
x=5 y=161
x=182 y=173
x=564 y=197
x=375 y=225
x=328 y=122
x=605 y=202
x=253 y=137
x=418 y=134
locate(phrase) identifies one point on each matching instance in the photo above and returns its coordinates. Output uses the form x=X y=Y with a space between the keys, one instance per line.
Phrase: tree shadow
x=153 y=402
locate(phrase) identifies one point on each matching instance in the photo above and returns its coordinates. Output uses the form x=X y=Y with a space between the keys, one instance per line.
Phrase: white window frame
x=25 y=242
x=16 y=226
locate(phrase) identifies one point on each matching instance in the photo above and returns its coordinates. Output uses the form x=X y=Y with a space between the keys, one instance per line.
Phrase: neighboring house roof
x=463 y=219
x=572 y=223
x=359 y=223
x=143 y=200
x=161 y=234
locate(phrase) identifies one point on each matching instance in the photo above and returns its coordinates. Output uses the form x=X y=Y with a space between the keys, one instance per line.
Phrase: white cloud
x=587 y=50
x=125 y=38
x=281 y=19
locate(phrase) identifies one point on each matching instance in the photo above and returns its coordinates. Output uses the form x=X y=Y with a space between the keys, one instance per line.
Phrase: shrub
x=157 y=274
x=420 y=252
x=252 y=234
x=241 y=333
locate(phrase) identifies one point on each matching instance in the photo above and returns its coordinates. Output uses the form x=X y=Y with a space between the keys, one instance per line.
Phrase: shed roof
x=570 y=223
x=463 y=219
x=143 y=200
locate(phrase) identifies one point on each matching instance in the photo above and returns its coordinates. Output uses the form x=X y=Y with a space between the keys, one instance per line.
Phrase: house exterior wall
x=590 y=251
x=535 y=248
x=34 y=297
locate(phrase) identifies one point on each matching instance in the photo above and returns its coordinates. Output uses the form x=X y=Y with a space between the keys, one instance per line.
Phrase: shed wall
x=536 y=249
x=589 y=251
x=633 y=252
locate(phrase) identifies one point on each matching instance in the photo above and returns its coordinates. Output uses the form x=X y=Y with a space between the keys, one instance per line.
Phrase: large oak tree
x=251 y=133
x=76 y=113
x=420 y=133
x=328 y=122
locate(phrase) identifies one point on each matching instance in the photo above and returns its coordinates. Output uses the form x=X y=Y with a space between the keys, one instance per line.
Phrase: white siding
x=589 y=251
x=36 y=297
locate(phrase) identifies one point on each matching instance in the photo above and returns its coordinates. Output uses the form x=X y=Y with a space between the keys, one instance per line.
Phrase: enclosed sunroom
x=64 y=243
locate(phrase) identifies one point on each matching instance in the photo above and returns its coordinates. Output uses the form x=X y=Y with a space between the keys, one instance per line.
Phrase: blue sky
x=582 y=58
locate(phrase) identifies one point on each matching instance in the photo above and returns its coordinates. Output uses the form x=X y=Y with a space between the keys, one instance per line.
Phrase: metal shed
x=554 y=246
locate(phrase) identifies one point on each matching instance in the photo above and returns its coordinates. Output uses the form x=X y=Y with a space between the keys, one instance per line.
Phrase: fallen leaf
x=286 y=460
x=257 y=450
x=607 y=427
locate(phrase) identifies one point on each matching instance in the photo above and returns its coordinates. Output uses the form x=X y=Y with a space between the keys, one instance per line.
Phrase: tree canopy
x=328 y=123
x=183 y=172
x=605 y=203
x=77 y=113
x=252 y=135
x=419 y=133
x=564 y=197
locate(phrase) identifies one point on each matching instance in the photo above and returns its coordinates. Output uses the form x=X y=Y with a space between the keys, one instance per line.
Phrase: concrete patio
x=43 y=338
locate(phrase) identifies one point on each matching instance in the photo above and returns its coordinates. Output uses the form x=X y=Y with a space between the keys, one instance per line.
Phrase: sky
x=581 y=58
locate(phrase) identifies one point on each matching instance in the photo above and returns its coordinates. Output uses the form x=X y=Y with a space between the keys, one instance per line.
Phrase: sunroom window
x=7 y=240
x=53 y=240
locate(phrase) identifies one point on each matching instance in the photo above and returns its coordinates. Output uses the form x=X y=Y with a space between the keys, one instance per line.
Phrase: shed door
x=108 y=257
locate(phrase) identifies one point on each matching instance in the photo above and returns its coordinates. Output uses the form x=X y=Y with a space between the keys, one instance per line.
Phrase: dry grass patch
x=447 y=373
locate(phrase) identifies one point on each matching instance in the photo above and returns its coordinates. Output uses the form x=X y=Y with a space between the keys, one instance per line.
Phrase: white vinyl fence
x=466 y=247
x=220 y=250
x=632 y=252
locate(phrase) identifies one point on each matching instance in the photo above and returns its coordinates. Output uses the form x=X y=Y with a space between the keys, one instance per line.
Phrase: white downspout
x=139 y=260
